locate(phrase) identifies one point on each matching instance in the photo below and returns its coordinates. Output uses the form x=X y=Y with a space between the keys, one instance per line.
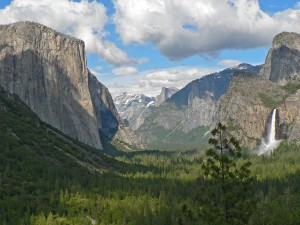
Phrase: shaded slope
x=37 y=160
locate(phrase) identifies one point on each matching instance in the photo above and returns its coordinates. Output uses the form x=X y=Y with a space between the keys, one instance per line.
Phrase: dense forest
x=48 y=178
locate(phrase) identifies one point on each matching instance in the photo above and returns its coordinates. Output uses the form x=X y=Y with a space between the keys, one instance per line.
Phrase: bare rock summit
x=283 y=60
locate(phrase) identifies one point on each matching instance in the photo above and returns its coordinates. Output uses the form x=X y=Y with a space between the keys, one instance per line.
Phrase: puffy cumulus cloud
x=125 y=71
x=84 y=20
x=151 y=82
x=229 y=63
x=182 y=28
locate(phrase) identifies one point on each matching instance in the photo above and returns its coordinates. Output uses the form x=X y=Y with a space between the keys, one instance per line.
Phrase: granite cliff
x=283 y=60
x=48 y=71
x=246 y=108
x=166 y=93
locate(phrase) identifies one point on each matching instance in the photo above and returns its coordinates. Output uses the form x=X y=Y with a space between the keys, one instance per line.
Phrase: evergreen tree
x=225 y=197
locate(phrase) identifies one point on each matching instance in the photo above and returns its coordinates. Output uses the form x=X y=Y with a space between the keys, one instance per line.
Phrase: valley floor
x=156 y=188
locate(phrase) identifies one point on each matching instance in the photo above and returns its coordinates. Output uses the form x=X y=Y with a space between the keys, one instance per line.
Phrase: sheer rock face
x=283 y=61
x=166 y=93
x=243 y=111
x=247 y=106
x=48 y=71
x=108 y=118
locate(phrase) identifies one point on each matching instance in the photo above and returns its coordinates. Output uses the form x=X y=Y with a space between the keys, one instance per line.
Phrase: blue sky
x=143 y=45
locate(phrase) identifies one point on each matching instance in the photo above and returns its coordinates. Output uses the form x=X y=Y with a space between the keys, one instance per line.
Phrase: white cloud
x=182 y=28
x=84 y=20
x=151 y=82
x=125 y=71
x=229 y=63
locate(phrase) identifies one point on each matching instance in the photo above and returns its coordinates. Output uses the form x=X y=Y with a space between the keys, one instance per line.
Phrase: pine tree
x=225 y=198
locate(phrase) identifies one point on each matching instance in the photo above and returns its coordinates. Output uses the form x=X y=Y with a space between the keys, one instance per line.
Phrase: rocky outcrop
x=247 y=106
x=289 y=117
x=243 y=110
x=108 y=119
x=48 y=71
x=166 y=93
x=283 y=61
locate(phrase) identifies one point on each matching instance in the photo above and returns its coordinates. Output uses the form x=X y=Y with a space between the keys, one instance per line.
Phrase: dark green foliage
x=41 y=181
x=271 y=102
x=291 y=87
x=227 y=179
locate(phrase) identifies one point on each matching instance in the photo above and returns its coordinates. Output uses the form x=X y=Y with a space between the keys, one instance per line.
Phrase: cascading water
x=272 y=128
x=268 y=145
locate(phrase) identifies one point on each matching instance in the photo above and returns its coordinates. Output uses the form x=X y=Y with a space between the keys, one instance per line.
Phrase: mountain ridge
x=190 y=110
x=134 y=108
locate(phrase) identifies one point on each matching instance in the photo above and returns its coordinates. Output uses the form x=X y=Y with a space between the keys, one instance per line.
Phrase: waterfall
x=268 y=145
x=272 y=129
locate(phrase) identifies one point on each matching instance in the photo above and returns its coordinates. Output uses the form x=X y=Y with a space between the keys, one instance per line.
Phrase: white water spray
x=272 y=128
x=268 y=145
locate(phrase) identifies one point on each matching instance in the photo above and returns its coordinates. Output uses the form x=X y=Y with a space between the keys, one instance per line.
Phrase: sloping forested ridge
x=48 y=178
x=36 y=160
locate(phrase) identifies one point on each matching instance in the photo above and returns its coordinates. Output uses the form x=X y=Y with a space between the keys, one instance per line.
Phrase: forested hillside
x=48 y=178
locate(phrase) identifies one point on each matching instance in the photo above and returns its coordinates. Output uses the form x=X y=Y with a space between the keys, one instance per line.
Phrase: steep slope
x=38 y=161
x=48 y=71
x=247 y=106
x=184 y=118
x=22 y=130
x=109 y=123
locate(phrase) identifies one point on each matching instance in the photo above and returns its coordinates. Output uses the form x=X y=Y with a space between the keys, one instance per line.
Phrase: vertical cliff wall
x=248 y=104
x=283 y=60
x=48 y=71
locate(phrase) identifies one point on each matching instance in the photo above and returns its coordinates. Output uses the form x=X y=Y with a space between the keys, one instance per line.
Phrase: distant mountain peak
x=244 y=66
x=166 y=93
x=133 y=108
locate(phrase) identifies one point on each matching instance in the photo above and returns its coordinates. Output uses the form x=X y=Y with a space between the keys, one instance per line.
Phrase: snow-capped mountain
x=134 y=108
